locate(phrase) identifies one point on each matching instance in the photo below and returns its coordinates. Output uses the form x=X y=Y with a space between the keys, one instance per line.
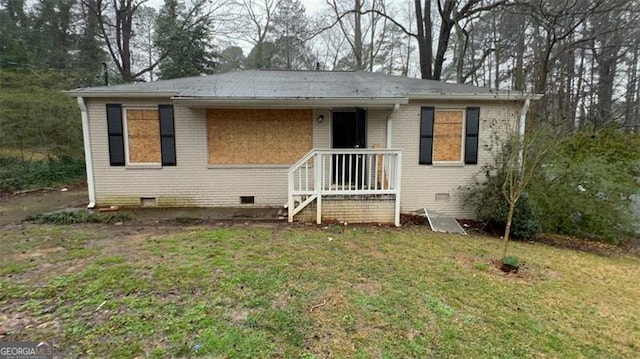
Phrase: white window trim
x=455 y=163
x=125 y=131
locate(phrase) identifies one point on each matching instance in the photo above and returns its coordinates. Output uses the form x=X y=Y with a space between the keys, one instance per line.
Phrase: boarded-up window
x=258 y=136
x=447 y=135
x=143 y=136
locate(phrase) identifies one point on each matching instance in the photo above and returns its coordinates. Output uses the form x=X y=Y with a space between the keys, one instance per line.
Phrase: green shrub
x=492 y=207
x=511 y=260
x=73 y=217
x=16 y=175
x=585 y=188
x=525 y=225
x=510 y=264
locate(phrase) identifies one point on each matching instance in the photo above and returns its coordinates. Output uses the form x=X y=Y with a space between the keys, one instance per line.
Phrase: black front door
x=349 y=130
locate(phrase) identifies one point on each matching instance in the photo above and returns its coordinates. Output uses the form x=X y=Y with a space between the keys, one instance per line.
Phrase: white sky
x=312 y=6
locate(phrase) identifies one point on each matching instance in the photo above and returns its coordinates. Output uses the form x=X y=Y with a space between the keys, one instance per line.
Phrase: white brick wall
x=193 y=183
x=421 y=183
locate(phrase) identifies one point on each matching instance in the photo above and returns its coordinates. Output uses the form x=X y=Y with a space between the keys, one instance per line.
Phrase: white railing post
x=290 y=204
x=317 y=182
x=348 y=172
x=397 y=187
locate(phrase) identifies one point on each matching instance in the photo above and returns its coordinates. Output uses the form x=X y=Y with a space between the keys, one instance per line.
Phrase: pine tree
x=185 y=42
x=14 y=32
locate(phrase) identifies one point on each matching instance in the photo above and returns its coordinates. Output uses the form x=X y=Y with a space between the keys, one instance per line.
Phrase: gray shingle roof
x=289 y=85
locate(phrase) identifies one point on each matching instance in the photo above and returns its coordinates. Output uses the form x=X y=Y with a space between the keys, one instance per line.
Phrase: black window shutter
x=116 y=134
x=471 y=136
x=426 y=136
x=167 y=135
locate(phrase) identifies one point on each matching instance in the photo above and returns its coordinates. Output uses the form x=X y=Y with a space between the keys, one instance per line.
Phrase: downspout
x=522 y=126
x=88 y=159
x=396 y=107
x=398 y=175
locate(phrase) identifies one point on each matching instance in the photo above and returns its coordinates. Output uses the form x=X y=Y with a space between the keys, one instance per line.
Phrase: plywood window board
x=258 y=136
x=447 y=135
x=143 y=136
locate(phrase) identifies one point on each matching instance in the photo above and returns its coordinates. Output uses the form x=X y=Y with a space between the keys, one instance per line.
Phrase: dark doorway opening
x=349 y=129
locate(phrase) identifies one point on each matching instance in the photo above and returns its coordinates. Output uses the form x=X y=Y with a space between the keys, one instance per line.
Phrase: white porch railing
x=332 y=172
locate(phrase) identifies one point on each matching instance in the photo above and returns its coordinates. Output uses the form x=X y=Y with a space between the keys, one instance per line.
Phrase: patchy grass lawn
x=264 y=291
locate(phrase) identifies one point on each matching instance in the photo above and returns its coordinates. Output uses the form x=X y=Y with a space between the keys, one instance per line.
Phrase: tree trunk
x=607 y=64
x=519 y=76
x=578 y=97
x=357 y=43
x=507 y=229
x=636 y=111
x=460 y=49
x=446 y=24
x=423 y=23
x=629 y=101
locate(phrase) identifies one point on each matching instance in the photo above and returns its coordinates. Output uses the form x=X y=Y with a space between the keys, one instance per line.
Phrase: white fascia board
x=504 y=96
x=119 y=94
x=276 y=102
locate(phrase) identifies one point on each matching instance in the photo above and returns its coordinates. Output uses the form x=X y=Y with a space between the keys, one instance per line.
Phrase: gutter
x=505 y=96
x=88 y=159
x=396 y=107
x=522 y=127
x=120 y=94
x=262 y=102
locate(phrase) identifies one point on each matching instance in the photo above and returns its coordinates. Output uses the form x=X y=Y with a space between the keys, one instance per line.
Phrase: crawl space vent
x=148 y=202
x=247 y=200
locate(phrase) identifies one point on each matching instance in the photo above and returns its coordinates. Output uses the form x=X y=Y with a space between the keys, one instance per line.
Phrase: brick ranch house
x=349 y=146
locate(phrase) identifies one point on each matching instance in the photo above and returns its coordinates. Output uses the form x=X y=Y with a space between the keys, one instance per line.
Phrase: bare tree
x=259 y=18
x=449 y=13
x=523 y=156
x=116 y=20
x=366 y=35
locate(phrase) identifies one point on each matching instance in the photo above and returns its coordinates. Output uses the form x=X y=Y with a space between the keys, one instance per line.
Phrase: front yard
x=268 y=290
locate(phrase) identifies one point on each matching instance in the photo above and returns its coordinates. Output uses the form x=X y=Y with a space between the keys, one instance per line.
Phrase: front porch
x=340 y=176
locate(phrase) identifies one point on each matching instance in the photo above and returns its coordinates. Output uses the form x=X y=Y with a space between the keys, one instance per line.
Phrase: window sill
x=143 y=166
x=241 y=166
x=449 y=164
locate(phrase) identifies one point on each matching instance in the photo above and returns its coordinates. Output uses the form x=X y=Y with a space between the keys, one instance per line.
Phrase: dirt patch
x=524 y=272
x=40 y=252
x=466 y=261
x=493 y=267
x=11 y=325
x=630 y=246
x=326 y=301
x=584 y=245
x=238 y=316
x=412 y=219
x=125 y=238
x=367 y=286
x=16 y=207
x=282 y=300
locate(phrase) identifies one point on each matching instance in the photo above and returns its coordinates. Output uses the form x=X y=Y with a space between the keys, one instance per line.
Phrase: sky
x=312 y=6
